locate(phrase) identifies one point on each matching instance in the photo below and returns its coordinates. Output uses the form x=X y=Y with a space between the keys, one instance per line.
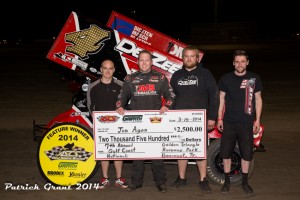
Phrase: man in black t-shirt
x=239 y=116
x=102 y=96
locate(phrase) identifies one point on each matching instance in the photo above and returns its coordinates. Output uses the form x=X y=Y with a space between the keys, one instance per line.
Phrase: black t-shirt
x=103 y=97
x=240 y=96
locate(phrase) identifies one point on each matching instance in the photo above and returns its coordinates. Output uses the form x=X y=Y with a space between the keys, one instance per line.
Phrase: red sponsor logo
x=145 y=88
x=108 y=118
x=155 y=119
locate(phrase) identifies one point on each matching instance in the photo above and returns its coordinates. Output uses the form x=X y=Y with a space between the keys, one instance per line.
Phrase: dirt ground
x=31 y=89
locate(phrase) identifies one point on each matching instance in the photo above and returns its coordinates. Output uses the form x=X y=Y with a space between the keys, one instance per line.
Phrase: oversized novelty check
x=150 y=135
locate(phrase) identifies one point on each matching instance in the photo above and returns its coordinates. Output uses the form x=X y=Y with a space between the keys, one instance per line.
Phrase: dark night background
x=32 y=87
x=30 y=20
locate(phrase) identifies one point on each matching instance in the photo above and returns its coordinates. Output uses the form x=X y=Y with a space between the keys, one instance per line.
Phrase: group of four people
x=192 y=87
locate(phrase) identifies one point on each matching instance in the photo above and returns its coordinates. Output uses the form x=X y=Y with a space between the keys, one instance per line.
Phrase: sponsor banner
x=83 y=44
x=146 y=35
x=150 y=135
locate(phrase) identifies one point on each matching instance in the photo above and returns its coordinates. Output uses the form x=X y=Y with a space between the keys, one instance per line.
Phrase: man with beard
x=240 y=94
x=195 y=88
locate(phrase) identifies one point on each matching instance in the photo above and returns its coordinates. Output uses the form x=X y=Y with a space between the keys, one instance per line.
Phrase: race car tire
x=215 y=165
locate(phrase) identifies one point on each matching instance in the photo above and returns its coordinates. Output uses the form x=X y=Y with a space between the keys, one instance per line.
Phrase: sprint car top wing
x=83 y=44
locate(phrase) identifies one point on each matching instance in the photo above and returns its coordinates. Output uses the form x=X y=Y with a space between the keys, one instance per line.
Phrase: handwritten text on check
x=176 y=134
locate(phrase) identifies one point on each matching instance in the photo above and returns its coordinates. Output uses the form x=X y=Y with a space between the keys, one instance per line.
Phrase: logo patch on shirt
x=191 y=80
x=249 y=86
x=248 y=83
x=153 y=79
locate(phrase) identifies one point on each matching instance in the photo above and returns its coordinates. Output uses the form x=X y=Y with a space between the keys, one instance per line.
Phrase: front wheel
x=215 y=168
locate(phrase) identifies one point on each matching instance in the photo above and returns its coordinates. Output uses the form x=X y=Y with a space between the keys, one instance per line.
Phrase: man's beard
x=240 y=70
x=190 y=66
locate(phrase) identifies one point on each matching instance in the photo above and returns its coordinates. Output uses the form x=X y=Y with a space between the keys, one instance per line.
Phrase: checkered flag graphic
x=79 y=153
x=82 y=154
x=53 y=152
